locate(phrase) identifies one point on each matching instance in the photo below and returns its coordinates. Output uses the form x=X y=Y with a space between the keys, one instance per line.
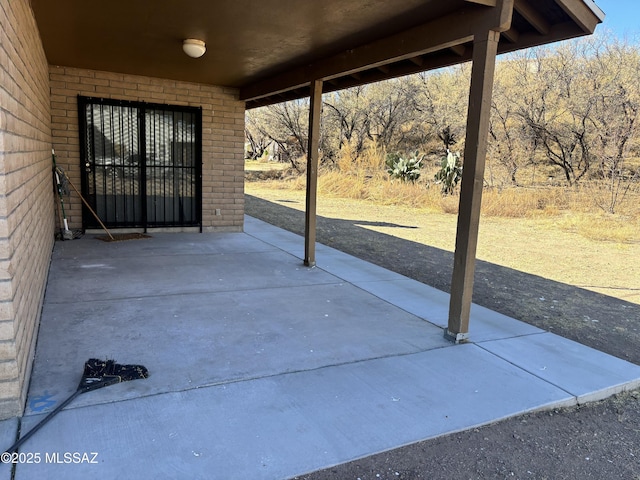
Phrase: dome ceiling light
x=194 y=48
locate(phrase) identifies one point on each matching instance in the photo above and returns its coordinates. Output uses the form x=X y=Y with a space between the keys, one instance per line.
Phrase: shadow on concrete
x=599 y=321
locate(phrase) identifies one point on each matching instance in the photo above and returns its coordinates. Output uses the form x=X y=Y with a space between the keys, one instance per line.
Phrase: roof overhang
x=271 y=50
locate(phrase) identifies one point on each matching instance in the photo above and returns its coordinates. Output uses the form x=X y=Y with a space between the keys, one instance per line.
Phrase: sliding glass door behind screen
x=142 y=164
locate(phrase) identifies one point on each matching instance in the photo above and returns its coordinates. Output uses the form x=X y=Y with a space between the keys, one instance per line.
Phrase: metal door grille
x=142 y=163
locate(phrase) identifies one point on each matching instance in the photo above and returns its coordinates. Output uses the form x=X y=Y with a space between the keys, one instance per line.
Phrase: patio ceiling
x=272 y=49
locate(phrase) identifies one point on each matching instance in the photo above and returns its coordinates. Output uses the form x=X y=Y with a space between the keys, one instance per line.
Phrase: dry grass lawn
x=583 y=249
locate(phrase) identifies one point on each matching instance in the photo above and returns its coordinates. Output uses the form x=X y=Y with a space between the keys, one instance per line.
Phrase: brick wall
x=222 y=134
x=26 y=197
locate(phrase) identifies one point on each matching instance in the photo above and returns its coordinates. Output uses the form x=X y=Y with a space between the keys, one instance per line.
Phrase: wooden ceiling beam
x=511 y=35
x=442 y=33
x=560 y=31
x=429 y=62
x=458 y=49
x=441 y=59
x=587 y=17
x=488 y=3
x=532 y=16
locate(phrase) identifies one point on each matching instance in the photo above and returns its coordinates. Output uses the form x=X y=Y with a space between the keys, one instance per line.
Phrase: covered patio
x=269 y=355
x=263 y=368
x=272 y=53
x=109 y=87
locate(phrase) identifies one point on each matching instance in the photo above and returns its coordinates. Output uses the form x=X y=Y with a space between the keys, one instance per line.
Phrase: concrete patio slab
x=195 y=340
x=114 y=276
x=433 y=306
x=8 y=429
x=587 y=374
x=163 y=244
x=350 y=268
x=278 y=426
x=272 y=235
x=263 y=368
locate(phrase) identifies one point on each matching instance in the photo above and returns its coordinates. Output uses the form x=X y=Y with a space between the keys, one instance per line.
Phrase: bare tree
x=284 y=124
x=347 y=120
x=441 y=101
x=614 y=68
x=391 y=108
x=556 y=107
x=257 y=139
x=508 y=144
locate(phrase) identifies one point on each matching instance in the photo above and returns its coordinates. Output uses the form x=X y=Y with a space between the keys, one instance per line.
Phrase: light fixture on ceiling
x=194 y=48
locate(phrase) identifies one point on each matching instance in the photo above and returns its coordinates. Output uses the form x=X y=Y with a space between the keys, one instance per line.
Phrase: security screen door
x=141 y=163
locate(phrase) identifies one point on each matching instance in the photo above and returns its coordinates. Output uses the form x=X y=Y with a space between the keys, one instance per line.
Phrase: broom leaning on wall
x=65 y=233
x=63 y=183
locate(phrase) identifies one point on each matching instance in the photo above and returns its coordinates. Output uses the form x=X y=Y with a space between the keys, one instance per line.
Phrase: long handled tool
x=66 y=233
x=97 y=374
x=61 y=173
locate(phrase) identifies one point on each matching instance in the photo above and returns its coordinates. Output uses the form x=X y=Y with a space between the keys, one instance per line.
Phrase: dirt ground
x=581 y=289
